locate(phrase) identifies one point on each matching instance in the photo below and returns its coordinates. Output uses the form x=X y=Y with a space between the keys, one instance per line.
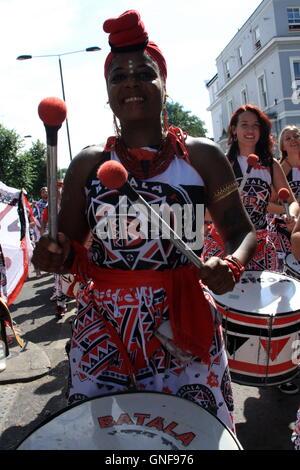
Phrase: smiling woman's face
x=135 y=87
x=247 y=129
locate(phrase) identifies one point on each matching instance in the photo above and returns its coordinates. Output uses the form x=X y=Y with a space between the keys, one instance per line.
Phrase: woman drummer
x=295 y=249
x=250 y=133
x=280 y=226
x=131 y=285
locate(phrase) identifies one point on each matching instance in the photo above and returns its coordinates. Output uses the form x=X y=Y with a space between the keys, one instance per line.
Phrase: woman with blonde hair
x=280 y=227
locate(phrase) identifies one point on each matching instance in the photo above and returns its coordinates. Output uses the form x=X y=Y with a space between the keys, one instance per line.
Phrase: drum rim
x=288 y=266
x=254 y=314
x=127 y=392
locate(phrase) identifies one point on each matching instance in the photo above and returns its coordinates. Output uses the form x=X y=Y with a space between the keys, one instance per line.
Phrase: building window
x=294 y=18
x=295 y=79
x=230 y=108
x=256 y=35
x=227 y=71
x=244 y=96
x=262 y=91
x=296 y=69
x=240 y=56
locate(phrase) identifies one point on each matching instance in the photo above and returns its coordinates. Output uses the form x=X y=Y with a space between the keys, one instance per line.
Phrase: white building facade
x=261 y=66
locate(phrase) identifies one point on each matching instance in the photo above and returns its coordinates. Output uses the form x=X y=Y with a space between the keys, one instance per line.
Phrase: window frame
x=257 y=38
x=263 y=94
x=244 y=91
x=292 y=21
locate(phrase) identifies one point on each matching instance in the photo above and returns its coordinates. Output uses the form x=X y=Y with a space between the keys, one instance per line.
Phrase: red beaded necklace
x=143 y=163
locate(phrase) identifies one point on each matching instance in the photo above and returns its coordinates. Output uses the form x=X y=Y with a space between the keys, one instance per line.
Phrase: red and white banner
x=15 y=242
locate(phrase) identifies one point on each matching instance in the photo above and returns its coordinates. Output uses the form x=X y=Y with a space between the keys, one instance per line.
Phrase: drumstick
x=52 y=112
x=252 y=161
x=113 y=175
x=283 y=195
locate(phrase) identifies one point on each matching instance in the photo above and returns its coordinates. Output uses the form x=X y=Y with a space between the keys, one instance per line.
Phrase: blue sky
x=190 y=33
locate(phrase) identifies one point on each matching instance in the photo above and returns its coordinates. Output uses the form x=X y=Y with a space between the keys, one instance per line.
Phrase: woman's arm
x=225 y=206
x=280 y=181
x=295 y=240
x=56 y=256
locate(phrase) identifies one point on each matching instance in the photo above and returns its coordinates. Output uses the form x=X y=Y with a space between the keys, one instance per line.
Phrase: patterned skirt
x=98 y=365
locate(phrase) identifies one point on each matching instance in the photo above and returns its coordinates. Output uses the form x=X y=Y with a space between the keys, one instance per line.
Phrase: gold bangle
x=224 y=191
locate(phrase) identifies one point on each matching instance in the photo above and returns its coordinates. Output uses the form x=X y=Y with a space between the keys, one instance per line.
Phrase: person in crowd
x=280 y=225
x=295 y=249
x=250 y=134
x=58 y=295
x=131 y=285
x=38 y=211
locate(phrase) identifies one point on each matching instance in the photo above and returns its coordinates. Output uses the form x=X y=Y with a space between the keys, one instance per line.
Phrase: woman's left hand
x=217 y=276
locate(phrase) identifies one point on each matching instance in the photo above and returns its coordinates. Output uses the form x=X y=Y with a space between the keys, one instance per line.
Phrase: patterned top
x=256 y=193
x=293 y=178
x=125 y=239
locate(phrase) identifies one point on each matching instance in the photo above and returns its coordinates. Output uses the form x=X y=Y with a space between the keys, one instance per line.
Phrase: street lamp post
x=88 y=49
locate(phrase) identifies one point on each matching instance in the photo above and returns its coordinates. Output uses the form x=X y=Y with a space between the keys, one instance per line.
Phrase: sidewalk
x=33 y=385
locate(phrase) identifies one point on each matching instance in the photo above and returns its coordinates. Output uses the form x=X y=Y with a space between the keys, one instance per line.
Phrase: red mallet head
x=112 y=174
x=52 y=111
x=283 y=194
x=253 y=160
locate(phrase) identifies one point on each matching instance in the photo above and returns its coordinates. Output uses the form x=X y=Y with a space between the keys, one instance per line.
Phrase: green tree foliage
x=38 y=163
x=22 y=169
x=188 y=122
x=10 y=143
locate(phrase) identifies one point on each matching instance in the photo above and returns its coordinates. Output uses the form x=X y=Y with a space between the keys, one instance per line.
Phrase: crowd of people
x=38 y=227
x=136 y=287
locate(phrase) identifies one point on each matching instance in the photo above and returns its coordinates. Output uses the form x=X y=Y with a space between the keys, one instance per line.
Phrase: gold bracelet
x=224 y=191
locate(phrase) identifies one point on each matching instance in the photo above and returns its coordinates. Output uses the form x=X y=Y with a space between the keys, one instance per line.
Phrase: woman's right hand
x=51 y=256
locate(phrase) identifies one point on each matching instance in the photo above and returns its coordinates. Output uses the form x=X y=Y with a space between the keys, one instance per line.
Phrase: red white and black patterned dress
x=98 y=364
x=277 y=226
x=255 y=196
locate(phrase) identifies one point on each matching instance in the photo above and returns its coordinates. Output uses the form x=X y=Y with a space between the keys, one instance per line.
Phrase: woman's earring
x=234 y=138
x=165 y=117
x=117 y=127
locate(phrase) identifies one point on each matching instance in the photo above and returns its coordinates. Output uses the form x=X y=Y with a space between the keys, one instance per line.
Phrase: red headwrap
x=127 y=33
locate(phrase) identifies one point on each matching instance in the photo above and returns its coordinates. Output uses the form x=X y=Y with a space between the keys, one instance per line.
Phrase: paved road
x=264 y=416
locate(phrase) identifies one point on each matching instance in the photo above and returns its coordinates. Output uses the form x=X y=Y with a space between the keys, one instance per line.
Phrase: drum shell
x=133 y=421
x=260 y=346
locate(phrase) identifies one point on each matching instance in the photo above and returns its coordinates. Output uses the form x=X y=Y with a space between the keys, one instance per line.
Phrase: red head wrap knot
x=127 y=33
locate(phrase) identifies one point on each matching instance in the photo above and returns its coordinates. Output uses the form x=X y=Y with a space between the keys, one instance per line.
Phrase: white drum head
x=133 y=421
x=262 y=292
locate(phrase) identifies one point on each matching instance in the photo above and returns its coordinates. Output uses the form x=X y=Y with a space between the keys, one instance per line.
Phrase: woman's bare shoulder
x=81 y=165
x=205 y=155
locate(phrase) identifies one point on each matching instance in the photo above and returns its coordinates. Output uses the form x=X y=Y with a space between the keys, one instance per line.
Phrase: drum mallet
x=53 y=112
x=252 y=161
x=113 y=175
x=283 y=196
